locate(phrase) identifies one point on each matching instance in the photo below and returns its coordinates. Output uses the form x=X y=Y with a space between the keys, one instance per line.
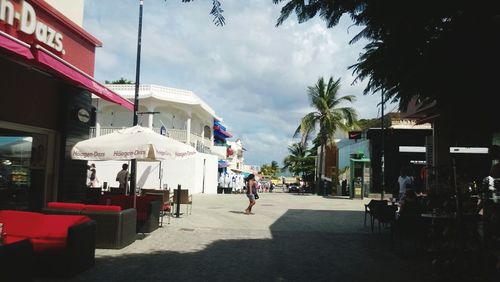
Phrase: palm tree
x=299 y=161
x=120 y=81
x=274 y=168
x=265 y=169
x=327 y=116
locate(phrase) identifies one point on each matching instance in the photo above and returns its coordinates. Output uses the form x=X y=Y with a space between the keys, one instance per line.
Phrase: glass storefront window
x=15 y=158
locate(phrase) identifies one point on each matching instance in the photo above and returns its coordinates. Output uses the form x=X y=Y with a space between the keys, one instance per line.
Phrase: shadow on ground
x=306 y=245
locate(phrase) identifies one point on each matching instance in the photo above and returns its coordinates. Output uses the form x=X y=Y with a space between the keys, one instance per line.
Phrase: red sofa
x=115 y=227
x=63 y=245
x=148 y=209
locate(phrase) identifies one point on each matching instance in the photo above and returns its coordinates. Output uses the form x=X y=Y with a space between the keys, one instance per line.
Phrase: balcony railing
x=202 y=145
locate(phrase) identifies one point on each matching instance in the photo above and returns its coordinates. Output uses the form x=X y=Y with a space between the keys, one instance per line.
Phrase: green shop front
x=360 y=177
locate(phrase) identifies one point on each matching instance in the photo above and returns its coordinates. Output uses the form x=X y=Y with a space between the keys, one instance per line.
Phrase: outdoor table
x=437 y=215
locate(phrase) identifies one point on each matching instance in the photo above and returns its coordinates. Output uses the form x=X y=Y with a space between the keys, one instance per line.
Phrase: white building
x=185 y=117
x=71 y=9
x=235 y=155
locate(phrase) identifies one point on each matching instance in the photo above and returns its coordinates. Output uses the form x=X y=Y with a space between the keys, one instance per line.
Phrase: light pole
x=382 y=184
x=133 y=168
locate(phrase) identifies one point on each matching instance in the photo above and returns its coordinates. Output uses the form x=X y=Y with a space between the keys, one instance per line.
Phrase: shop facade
x=47 y=64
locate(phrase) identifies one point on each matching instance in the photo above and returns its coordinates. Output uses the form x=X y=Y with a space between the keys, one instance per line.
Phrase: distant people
x=122 y=177
x=88 y=175
x=251 y=186
x=404 y=181
x=490 y=179
x=93 y=176
x=344 y=187
x=221 y=180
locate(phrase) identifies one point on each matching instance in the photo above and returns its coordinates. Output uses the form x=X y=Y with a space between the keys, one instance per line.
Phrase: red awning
x=61 y=68
x=226 y=133
x=15 y=46
x=78 y=77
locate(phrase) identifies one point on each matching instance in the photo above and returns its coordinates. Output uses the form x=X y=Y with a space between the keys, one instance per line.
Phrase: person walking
x=122 y=177
x=93 y=176
x=404 y=180
x=251 y=192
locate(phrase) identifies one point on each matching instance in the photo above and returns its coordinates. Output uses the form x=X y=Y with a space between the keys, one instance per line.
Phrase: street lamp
x=382 y=184
x=133 y=168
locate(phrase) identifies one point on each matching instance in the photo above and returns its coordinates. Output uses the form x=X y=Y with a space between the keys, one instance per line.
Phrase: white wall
x=72 y=9
x=188 y=173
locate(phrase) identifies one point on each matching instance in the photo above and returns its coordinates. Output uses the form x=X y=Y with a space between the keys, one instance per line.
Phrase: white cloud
x=253 y=74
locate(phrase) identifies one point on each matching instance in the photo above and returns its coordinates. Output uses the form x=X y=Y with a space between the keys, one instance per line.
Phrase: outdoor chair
x=166 y=208
x=370 y=208
x=92 y=195
x=185 y=199
x=385 y=215
x=116 y=191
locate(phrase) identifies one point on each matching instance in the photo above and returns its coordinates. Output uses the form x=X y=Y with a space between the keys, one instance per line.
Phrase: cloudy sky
x=253 y=74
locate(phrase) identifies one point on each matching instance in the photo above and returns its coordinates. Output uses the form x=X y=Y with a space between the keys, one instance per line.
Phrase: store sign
x=83 y=115
x=355 y=135
x=25 y=20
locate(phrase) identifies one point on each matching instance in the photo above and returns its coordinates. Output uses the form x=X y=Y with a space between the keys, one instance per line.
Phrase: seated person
x=410 y=206
x=409 y=213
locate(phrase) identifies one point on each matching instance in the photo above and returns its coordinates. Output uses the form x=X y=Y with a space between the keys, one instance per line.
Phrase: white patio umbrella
x=131 y=143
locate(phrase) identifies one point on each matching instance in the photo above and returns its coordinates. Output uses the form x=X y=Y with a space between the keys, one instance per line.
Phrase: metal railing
x=201 y=144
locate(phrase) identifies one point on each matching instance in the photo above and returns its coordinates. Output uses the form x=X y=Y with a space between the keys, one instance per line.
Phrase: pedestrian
x=404 y=181
x=94 y=182
x=489 y=181
x=122 y=177
x=251 y=192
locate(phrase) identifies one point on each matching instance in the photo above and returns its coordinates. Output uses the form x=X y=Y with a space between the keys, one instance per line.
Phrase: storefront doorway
x=26 y=170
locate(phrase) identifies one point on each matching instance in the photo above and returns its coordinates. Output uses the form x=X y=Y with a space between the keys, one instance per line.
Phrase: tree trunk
x=319 y=184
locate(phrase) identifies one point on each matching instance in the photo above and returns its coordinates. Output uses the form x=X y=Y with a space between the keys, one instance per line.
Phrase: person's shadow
x=239 y=212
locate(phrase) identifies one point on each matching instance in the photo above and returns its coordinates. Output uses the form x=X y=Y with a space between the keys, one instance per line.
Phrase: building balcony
x=202 y=145
x=220 y=151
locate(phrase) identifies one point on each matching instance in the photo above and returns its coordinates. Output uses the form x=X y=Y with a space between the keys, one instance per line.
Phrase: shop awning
x=15 y=46
x=60 y=68
x=222 y=164
x=78 y=77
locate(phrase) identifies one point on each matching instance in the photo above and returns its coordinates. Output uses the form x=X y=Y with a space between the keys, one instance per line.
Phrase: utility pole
x=382 y=160
x=133 y=169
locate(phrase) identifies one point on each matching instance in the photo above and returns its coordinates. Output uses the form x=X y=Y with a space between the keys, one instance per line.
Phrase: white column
x=97 y=120
x=150 y=119
x=188 y=129
x=211 y=139
x=97 y=129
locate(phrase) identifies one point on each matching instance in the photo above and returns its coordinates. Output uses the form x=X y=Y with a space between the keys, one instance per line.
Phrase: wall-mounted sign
x=83 y=115
x=355 y=135
x=26 y=21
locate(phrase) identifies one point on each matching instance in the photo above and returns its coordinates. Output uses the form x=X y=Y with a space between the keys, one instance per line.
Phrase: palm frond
x=293 y=5
x=216 y=12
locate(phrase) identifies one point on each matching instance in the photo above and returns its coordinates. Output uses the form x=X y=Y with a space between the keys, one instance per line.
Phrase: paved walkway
x=290 y=238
